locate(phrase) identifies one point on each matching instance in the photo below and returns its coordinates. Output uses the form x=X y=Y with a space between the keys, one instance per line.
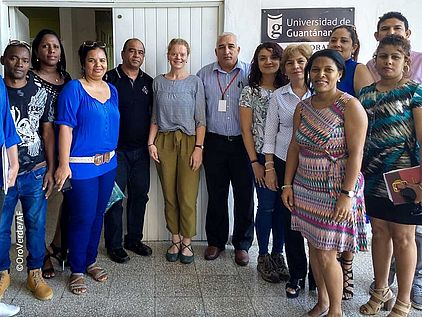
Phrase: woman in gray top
x=175 y=143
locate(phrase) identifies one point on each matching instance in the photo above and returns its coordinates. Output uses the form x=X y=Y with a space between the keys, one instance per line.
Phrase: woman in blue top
x=344 y=39
x=88 y=116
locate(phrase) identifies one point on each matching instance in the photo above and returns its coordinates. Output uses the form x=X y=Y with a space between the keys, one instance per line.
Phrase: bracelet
x=151 y=144
x=286 y=186
x=254 y=161
x=270 y=169
x=268 y=163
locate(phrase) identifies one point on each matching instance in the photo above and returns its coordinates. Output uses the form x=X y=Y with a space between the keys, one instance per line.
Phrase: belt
x=97 y=159
x=229 y=138
x=38 y=166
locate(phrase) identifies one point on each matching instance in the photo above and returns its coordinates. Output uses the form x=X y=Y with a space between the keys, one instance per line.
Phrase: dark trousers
x=293 y=240
x=225 y=162
x=133 y=173
x=87 y=201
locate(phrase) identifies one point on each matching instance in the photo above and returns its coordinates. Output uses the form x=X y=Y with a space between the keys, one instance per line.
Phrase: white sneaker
x=8 y=310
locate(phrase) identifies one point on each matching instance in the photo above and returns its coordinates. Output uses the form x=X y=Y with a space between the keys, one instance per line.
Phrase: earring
x=338 y=80
x=406 y=68
x=38 y=60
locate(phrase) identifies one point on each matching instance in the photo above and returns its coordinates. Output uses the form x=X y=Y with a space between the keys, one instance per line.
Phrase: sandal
x=173 y=257
x=97 y=272
x=347 y=279
x=379 y=298
x=294 y=286
x=186 y=259
x=77 y=284
x=57 y=254
x=400 y=309
x=47 y=267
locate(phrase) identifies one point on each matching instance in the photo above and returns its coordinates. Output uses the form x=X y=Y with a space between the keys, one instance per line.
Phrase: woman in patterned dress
x=323 y=178
x=394 y=108
x=264 y=78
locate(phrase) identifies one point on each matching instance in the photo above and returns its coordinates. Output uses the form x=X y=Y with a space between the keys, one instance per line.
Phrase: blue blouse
x=95 y=127
x=347 y=83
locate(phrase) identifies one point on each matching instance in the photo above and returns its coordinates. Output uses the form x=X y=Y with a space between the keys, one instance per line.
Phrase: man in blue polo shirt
x=135 y=103
x=225 y=157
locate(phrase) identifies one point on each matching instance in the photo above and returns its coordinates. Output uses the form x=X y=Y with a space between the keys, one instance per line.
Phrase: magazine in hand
x=403 y=184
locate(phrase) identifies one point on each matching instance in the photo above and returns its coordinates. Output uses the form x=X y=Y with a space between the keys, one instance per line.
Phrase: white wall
x=246 y=23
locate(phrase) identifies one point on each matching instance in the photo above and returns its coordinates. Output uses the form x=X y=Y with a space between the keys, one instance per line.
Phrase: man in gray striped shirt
x=225 y=157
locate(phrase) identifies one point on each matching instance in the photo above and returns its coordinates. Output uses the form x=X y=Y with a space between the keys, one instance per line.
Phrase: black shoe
x=139 y=248
x=118 y=255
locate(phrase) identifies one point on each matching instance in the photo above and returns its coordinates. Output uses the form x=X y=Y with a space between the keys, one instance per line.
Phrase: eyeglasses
x=19 y=43
x=94 y=44
x=346 y=26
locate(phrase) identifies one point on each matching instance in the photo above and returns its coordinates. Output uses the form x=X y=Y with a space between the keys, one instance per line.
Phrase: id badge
x=222 y=105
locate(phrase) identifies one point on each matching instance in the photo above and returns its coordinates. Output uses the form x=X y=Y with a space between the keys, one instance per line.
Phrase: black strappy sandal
x=294 y=286
x=348 y=284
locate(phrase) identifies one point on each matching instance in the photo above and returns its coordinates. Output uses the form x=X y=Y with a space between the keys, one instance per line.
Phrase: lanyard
x=228 y=85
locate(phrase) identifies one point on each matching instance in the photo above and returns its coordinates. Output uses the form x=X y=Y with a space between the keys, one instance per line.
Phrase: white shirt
x=279 y=123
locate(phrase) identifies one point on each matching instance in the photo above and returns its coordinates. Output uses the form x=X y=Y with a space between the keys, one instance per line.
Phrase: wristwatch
x=348 y=193
x=200 y=146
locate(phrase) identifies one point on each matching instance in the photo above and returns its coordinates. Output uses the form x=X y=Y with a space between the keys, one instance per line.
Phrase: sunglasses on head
x=94 y=44
x=18 y=43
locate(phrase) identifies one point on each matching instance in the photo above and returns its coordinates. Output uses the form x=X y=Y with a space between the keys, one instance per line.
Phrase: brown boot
x=4 y=282
x=36 y=284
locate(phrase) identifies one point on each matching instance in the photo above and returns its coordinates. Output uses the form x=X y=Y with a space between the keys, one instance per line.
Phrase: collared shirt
x=415 y=67
x=135 y=104
x=223 y=122
x=279 y=123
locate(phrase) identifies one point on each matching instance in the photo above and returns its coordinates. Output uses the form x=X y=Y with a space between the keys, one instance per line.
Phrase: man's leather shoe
x=211 y=253
x=139 y=248
x=118 y=255
x=241 y=257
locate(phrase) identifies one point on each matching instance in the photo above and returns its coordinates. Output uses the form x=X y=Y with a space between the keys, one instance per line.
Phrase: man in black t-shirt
x=30 y=105
x=135 y=103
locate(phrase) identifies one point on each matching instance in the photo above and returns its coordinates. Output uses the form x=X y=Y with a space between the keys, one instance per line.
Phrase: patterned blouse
x=258 y=99
x=391 y=138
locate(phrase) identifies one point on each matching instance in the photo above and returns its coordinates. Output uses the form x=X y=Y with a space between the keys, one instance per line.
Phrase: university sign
x=314 y=25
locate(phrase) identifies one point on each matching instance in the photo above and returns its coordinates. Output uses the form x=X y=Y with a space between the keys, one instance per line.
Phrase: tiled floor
x=154 y=287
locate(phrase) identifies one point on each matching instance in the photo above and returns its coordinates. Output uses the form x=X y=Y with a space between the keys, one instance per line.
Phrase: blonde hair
x=178 y=41
x=290 y=50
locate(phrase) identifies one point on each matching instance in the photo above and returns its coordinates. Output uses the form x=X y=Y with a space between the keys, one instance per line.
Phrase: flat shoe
x=186 y=259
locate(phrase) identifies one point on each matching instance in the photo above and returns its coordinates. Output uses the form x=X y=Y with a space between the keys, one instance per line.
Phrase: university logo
x=274 y=26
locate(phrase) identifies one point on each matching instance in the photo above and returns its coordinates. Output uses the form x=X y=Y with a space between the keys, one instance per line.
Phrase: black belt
x=230 y=138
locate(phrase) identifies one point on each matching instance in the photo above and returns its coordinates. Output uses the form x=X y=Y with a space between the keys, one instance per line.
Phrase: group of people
x=312 y=133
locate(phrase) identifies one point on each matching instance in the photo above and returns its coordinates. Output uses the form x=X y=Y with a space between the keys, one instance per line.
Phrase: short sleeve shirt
x=95 y=127
x=31 y=106
x=258 y=100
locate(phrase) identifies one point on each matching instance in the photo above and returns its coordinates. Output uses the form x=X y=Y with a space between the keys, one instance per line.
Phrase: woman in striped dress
x=322 y=178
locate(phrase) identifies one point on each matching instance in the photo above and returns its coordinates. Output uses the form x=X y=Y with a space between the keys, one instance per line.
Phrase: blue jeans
x=28 y=189
x=133 y=172
x=268 y=216
x=86 y=203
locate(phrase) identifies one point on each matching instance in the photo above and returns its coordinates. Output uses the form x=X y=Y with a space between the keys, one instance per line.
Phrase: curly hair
x=255 y=75
x=291 y=49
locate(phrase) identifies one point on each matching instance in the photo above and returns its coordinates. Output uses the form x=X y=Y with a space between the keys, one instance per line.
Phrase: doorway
x=74 y=25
